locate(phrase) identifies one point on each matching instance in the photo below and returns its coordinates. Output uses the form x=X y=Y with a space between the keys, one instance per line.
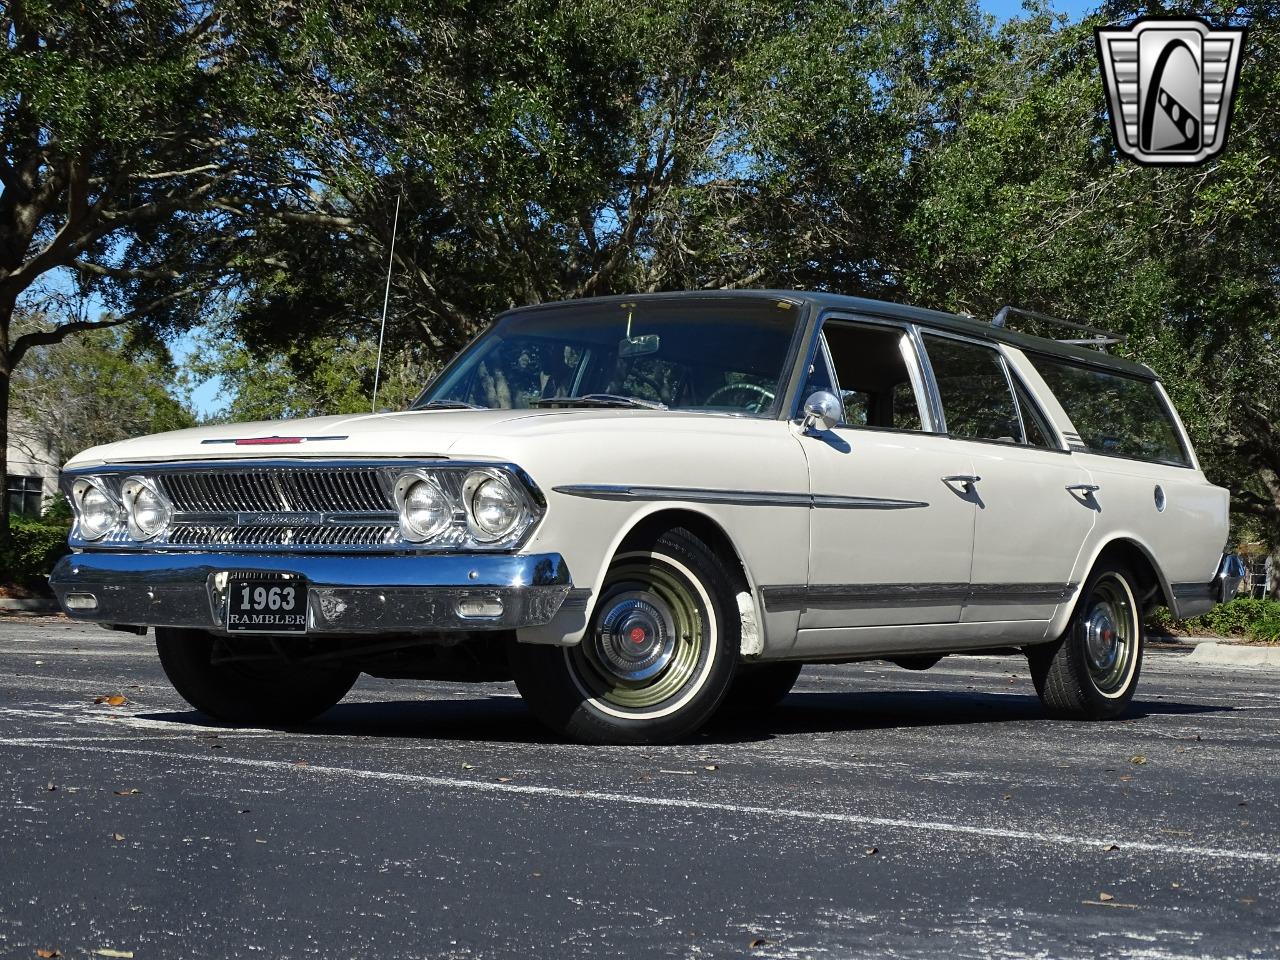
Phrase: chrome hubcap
x=636 y=637
x=650 y=644
x=1101 y=638
x=1109 y=634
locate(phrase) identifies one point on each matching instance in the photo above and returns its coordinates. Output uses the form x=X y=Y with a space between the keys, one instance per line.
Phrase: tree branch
x=41 y=338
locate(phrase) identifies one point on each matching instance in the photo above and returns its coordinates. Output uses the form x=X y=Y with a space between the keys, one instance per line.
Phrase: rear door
x=1035 y=502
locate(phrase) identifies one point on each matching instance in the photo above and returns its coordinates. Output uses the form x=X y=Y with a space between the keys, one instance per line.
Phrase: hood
x=413 y=433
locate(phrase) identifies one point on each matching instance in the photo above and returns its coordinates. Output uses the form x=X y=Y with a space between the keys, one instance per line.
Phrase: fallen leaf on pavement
x=51 y=787
x=112 y=701
x=48 y=953
x=1139 y=760
x=872 y=851
x=757 y=943
x=468 y=766
x=117 y=837
x=504 y=779
x=1106 y=897
x=714 y=766
x=132 y=791
x=1111 y=846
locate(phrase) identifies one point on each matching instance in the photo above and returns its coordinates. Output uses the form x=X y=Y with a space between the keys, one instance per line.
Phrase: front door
x=891 y=532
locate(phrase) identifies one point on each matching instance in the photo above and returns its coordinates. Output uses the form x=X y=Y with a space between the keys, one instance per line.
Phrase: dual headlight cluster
x=433 y=506
x=452 y=506
x=140 y=507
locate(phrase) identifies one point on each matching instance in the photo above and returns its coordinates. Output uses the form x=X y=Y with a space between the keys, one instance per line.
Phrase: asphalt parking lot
x=877 y=812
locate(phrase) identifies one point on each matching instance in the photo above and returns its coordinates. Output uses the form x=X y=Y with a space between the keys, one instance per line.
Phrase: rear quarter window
x=1115 y=414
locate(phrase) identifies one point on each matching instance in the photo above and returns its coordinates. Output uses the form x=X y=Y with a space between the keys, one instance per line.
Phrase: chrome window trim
x=1162 y=398
x=1012 y=377
x=916 y=363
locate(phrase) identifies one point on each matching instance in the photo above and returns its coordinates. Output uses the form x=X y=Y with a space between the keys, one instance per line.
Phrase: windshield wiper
x=598 y=400
x=450 y=405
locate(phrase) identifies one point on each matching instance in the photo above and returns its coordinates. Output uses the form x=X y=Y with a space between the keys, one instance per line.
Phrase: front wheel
x=657 y=658
x=256 y=691
x=1091 y=671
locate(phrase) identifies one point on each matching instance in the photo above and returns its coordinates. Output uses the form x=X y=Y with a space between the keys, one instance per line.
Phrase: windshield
x=686 y=354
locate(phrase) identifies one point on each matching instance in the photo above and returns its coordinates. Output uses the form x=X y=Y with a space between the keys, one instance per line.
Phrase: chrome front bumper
x=366 y=594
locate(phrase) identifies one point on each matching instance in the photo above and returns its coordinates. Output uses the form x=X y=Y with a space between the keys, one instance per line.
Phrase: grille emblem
x=279 y=519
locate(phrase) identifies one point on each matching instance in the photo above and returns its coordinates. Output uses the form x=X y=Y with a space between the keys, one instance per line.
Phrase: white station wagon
x=647 y=509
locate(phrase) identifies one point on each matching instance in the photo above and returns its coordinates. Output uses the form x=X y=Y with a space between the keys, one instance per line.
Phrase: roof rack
x=1097 y=336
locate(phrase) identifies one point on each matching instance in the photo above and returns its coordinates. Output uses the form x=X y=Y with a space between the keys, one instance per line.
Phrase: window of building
x=26 y=495
x=1114 y=414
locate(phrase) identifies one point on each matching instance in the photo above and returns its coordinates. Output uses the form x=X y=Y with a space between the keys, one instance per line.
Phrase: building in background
x=32 y=479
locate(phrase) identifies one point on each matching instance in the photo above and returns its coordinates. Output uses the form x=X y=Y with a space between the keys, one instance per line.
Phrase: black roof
x=897 y=311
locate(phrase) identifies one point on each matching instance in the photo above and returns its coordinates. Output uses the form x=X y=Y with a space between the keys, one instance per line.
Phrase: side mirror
x=822 y=411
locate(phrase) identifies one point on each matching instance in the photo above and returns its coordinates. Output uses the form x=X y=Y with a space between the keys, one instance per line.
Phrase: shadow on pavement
x=505 y=718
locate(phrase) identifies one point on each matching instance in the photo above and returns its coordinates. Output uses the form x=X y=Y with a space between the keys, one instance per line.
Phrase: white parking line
x=649 y=802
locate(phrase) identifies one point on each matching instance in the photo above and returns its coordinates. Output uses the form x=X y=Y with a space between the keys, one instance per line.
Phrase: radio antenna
x=386 y=299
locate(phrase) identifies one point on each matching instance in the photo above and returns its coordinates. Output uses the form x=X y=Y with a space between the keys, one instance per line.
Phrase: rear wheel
x=657 y=658
x=259 y=691
x=1091 y=671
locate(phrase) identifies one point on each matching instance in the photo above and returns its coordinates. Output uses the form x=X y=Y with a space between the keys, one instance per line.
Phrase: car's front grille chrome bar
x=287 y=489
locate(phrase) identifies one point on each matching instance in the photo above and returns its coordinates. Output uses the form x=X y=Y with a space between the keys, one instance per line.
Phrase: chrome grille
x=346 y=535
x=282 y=489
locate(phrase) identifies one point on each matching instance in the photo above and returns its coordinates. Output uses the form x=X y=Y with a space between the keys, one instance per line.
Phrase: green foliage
x=1257 y=620
x=96 y=388
x=328 y=375
x=33 y=548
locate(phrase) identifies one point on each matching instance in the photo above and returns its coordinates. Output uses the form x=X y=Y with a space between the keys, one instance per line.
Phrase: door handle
x=1083 y=488
x=965 y=480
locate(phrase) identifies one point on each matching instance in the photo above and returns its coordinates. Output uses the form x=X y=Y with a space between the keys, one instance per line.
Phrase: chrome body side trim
x=868 y=596
x=365 y=595
x=604 y=491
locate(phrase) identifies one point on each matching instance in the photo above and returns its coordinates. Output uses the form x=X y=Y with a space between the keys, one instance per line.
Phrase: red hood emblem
x=269 y=441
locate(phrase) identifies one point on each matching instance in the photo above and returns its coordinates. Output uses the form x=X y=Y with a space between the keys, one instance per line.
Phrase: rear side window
x=974 y=390
x=1114 y=414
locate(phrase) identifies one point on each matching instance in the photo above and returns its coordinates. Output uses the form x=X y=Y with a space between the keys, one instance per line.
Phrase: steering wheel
x=763 y=396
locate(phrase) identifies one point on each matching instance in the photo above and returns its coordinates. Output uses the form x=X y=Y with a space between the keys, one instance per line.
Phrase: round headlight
x=98 y=513
x=425 y=512
x=495 y=508
x=149 y=512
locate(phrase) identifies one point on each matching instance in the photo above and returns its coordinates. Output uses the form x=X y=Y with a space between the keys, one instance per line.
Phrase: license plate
x=266 y=606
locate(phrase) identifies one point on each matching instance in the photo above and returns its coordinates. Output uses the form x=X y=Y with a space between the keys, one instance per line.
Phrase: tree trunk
x=5 y=381
x=1272 y=587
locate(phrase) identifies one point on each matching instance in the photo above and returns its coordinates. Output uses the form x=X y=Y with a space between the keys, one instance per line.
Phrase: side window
x=976 y=399
x=870 y=366
x=1114 y=414
x=1033 y=423
x=906 y=411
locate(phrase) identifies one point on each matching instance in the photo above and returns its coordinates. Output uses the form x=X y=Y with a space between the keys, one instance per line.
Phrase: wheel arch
x=660 y=517
x=1153 y=586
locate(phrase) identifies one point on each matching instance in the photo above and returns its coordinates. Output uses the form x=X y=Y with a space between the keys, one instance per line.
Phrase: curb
x=1234 y=655
x=14 y=605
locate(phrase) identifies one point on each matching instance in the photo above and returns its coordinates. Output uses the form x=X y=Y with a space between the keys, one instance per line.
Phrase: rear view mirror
x=638 y=346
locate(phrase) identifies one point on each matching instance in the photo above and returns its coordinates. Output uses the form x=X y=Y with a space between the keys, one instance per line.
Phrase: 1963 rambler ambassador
x=647 y=509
